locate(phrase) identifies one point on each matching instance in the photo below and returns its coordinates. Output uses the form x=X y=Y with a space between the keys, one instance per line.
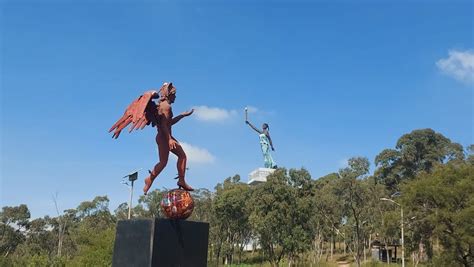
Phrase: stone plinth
x=259 y=175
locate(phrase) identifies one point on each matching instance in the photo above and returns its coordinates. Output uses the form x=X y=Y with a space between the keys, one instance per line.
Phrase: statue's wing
x=141 y=112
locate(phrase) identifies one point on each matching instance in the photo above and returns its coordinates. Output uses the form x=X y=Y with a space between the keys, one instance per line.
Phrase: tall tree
x=202 y=205
x=442 y=203
x=327 y=218
x=281 y=214
x=231 y=217
x=470 y=154
x=95 y=233
x=415 y=152
x=149 y=205
x=14 y=222
x=355 y=198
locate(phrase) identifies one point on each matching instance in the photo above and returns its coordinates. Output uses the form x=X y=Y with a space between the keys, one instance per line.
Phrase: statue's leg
x=271 y=163
x=181 y=166
x=182 y=159
x=163 y=153
x=266 y=153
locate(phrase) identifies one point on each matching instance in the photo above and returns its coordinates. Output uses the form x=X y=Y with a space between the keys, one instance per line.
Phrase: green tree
x=281 y=211
x=19 y=216
x=95 y=246
x=40 y=240
x=470 y=154
x=94 y=234
x=443 y=204
x=355 y=193
x=63 y=227
x=14 y=223
x=202 y=205
x=121 y=212
x=415 y=152
x=375 y=212
x=149 y=205
x=327 y=218
x=231 y=231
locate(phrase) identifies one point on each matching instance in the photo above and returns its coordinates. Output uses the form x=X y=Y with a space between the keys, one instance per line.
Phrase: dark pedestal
x=161 y=242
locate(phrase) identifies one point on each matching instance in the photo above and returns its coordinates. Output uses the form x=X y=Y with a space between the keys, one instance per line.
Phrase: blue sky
x=332 y=79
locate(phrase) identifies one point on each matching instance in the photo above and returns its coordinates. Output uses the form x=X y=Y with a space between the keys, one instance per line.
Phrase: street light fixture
x=401 y=224
x=132 y=177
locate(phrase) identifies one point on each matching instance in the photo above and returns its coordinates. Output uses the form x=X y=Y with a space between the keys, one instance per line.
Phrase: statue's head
x=265 y=126
x=168 y=92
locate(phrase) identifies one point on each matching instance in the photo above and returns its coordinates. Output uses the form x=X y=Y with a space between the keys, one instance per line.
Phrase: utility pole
x=401 y=226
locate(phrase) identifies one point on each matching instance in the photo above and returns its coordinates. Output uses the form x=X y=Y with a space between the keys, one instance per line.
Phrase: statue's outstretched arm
x=176 y=119
x=253 y=127
x=182 y=115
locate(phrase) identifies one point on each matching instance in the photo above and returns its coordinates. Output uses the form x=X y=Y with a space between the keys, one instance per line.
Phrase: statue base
x=259 y=175
x=160 y=242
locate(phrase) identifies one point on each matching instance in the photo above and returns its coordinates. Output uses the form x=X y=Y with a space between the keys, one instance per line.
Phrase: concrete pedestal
x=259 y=175
x=160 y=242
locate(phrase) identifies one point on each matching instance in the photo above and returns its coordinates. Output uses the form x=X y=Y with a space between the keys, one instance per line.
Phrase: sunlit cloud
x=459 y=65
x=197 y=155
x=251 y=109
x=212 y=114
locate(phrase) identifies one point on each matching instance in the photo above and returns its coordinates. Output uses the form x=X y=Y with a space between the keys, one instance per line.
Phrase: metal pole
x=130 y=201
x=403 y=243
x=401 y=226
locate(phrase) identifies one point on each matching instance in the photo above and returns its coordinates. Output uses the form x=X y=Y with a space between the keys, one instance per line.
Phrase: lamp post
x=401 y=224
x=131 y=177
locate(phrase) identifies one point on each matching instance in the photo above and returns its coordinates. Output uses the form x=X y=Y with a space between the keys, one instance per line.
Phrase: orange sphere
x=177 y=204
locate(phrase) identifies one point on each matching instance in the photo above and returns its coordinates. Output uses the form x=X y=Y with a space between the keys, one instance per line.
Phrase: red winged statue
x=144 y=111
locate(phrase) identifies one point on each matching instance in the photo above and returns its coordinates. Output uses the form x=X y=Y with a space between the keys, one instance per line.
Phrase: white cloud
x=205 y=113
x=459 y=65
x=196 y=154
x=251 y=109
